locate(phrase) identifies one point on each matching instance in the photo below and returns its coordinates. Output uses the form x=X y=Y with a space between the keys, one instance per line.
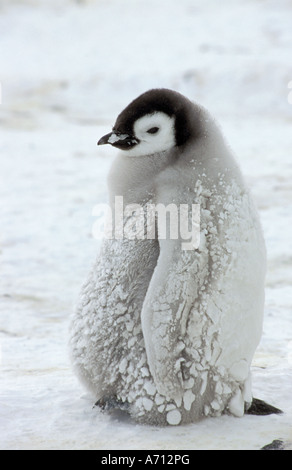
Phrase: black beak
x=121 y=141
x=104 y=139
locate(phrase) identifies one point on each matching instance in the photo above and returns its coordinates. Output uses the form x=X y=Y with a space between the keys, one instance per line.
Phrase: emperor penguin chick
x=166 y=327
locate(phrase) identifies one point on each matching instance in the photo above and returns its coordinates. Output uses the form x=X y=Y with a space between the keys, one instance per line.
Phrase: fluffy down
x=166 y=333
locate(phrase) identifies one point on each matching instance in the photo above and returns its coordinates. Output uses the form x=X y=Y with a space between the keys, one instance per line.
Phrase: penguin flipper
x=261 y=408
x=165 y=314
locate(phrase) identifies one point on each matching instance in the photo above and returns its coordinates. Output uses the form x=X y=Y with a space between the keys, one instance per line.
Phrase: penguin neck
x=133 y=177
x=209 y=155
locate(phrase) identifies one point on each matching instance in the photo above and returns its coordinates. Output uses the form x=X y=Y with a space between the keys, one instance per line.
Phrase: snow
x=173 y=417
x=236 y=405
x=67 y=70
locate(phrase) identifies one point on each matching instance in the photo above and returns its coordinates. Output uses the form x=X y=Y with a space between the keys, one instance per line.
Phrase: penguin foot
x=111 y=403
x=261 y=408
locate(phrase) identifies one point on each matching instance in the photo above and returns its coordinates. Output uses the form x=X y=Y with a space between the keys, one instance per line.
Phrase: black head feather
x=164 y=100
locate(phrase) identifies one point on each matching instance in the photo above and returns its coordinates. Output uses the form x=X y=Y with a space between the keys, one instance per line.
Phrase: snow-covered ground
x=67 y=69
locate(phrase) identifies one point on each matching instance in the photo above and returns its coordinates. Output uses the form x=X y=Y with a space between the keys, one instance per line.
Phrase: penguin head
x=156 y=121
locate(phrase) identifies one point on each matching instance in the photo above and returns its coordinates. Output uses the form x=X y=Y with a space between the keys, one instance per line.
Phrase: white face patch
x=155 y=133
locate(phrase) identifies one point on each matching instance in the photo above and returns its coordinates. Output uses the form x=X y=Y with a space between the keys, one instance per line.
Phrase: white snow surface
x=67 y=70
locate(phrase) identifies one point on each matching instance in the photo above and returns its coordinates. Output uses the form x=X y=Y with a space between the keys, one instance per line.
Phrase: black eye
x=153 y=130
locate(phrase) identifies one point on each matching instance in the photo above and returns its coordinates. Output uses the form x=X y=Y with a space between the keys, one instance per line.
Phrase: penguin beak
x=121 y=141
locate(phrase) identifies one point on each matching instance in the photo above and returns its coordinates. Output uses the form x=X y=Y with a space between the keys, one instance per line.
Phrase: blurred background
x=66 y=70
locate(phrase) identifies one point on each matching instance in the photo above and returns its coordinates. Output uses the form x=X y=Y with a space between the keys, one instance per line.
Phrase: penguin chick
x=166 y=332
